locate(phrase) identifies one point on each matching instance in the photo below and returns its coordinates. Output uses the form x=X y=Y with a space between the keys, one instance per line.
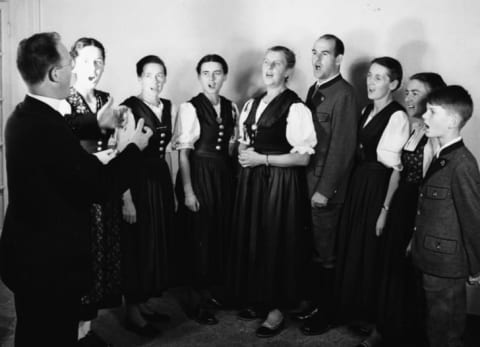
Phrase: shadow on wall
x=247 y=81
x=358 y=73
x=413 y=51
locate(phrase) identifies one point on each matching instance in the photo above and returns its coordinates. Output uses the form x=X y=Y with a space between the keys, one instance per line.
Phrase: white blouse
x=187 y=130
x=394 y=137
x=300 y=131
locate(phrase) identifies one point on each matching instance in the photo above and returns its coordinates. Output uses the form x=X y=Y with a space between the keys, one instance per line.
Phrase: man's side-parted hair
x=36 y=55
x=454 y=98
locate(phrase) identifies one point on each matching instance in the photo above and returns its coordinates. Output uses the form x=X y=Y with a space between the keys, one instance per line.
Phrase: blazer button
x=421 y=195
x=434 y=194
x=437 y=245
x=418 y=212
x=414 y=228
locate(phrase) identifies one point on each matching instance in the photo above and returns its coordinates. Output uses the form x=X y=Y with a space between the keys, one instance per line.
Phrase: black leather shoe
x=148 y=330
x=315 y=325
x=156 y=317
x=92 y=340
x=305 y=314
x=250 y=313
x=265 y=332
x=205 y=317
x=214 y=303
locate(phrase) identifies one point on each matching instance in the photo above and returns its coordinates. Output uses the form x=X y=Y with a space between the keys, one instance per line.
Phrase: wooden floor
x=183 y=332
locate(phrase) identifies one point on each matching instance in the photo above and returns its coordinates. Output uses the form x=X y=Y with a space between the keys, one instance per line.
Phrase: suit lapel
x=443 y=159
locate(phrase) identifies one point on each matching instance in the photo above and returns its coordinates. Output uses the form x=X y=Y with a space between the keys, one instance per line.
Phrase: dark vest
x=215 y=131
x=162 y=130
x=369 y=136
x=269 y=134
x=98 y=141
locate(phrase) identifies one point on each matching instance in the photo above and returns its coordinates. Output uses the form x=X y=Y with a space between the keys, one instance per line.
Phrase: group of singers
x=286 y=204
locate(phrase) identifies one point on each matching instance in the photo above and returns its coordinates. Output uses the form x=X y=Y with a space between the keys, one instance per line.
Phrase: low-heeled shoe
x=315 y=326
x=205 y=317
x=264 y=331
x=304 y=314
x=249 y=313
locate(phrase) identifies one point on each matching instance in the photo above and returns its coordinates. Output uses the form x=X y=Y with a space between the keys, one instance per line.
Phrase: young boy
x=446 y=241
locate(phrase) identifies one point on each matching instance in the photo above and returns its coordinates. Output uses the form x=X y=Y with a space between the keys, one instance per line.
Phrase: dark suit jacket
x=52 y=182
x=446 y=240
x=335 y=116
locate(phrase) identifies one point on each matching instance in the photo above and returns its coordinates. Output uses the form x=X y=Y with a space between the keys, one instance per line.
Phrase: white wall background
x=425 y=35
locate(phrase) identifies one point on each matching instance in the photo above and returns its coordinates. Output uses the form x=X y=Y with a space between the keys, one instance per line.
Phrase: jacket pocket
x=439 y=245
x=323 y=116
x=436 y=193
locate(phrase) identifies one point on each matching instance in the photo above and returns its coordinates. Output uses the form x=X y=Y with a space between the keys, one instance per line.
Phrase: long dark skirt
x=106 y=288
x=270 y=236
x=145 y=244
x=205 y=234
x=359 y=262
x=400 y=306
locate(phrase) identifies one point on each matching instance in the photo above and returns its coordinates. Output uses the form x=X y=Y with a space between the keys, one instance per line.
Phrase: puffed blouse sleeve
x=393 y=139
x=187 y=130
x=242 y=136
x=300 y=129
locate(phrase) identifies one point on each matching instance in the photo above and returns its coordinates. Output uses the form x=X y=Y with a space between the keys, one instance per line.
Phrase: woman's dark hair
x=215 y=58
x=393 y=66
x=36 y=55
x=85 y=42
x=288 y=53
x=150 y=59
x=431 y=79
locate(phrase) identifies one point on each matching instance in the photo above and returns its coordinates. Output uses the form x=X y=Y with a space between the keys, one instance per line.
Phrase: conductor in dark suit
x=52 y=181
x=334 y=108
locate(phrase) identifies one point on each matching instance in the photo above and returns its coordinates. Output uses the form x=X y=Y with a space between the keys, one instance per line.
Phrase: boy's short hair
x=455 y=99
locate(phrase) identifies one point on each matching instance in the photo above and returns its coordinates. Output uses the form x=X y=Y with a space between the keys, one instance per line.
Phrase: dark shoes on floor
x=304 y=314
x=92 y=340
x=249 y=314
x=266 y=332
x=204 y=317
x=316 y=325
x=148 y=330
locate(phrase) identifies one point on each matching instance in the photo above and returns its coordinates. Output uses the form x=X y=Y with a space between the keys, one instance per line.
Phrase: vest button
x=162 y=135
x=218 y=148
x=220 y=126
